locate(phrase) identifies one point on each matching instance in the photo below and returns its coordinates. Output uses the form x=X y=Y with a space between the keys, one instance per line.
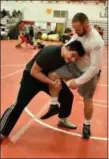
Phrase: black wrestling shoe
x=53 y=110
x=86 y=131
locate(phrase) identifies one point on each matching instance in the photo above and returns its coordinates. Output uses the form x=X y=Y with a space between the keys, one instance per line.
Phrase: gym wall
x=37 y=11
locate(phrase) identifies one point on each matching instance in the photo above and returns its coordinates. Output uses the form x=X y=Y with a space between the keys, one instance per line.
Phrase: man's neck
x=88 y=30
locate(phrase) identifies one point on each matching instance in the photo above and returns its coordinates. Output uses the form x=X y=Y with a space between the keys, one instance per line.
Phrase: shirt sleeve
x=42 y=60
x=95 y=66
x=45 y=58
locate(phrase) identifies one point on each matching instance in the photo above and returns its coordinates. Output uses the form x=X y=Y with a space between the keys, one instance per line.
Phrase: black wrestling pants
x=29 y=87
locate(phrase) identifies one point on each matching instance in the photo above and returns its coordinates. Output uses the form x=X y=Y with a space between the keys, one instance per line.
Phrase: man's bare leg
x=88 y=109
x=19 y=44
x=88 y=112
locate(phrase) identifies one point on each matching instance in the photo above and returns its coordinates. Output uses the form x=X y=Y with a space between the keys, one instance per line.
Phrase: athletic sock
x=87 y=122
x=54 y=101
x=63 y=119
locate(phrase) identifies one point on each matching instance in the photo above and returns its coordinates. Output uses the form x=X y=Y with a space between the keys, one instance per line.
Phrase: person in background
x=72 y=32
x=31 y=33
x=100 y=30
x=4 y=13
x=66 y=36
x=52 y=32
x=22 y=27
x=14 y=13
x=38 y=44
x=23 y=38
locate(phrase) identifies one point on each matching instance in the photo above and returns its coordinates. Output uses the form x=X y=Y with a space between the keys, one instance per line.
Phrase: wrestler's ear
x=68 y=47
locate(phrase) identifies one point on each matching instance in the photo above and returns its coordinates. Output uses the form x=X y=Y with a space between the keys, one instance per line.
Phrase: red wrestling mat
x=33 y=138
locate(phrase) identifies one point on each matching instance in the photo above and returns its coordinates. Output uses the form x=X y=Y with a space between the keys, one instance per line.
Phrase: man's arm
x=36 y=72
x=53 y=76
x=96 y=60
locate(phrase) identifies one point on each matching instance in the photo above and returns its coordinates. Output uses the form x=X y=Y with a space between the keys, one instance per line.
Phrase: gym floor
x=33 y=138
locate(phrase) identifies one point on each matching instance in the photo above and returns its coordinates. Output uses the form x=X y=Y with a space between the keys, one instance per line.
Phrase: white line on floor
x=103 y=85
x=60 y=130
x=11 y=74
x=99 y=105
x=21 y=131
x=104 y=101
x=12 y=65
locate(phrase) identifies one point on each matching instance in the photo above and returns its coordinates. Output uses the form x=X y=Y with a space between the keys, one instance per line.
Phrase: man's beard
x=83 y=33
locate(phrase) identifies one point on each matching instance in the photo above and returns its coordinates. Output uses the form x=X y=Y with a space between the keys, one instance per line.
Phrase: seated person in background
x=37 y=47
x=99 y=29
x=66 y=36
x=37 y=43
x=52 y=32
x=40 y=45
x=72 y=32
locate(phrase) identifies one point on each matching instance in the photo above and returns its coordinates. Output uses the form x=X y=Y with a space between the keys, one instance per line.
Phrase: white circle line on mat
x=60 y=130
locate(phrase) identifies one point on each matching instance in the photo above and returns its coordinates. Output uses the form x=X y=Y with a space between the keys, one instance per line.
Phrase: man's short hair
x=80 y=17
x=76 y=46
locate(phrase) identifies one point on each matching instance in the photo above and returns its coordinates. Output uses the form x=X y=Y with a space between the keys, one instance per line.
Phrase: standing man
x=84 y=71
x=22 y=27
x=31 y=34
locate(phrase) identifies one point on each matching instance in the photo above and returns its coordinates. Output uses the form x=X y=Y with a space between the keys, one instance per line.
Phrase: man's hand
x=53 y=76
x=72 y=84
x=57 y=84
